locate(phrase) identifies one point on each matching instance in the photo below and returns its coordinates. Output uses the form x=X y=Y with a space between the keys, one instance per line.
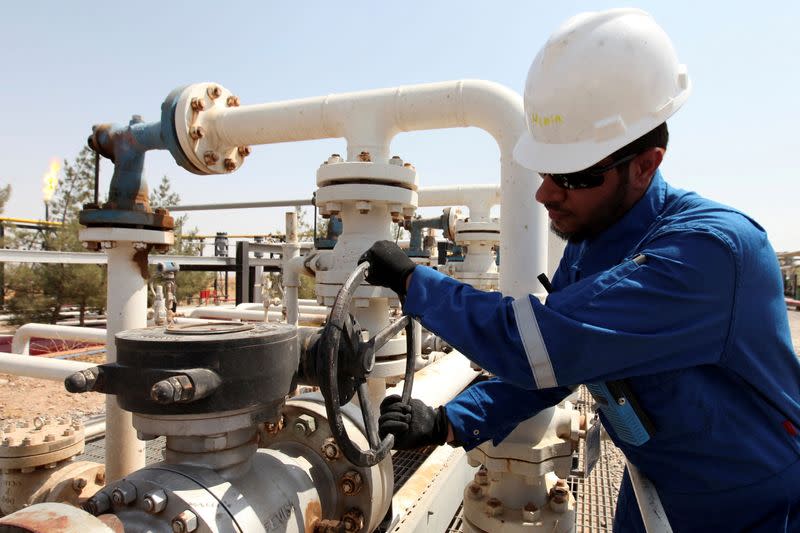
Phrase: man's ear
x=644 y=166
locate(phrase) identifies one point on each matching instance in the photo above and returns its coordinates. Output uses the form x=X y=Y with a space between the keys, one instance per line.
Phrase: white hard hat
x=602 y=80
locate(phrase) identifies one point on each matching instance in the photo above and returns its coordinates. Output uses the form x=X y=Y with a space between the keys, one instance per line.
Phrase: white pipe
x=127 y=309
x=252 y=316
x=310 y=309
x=370 y=119
x=479 y=199
x=292 y=267
x=21 y=342
x=653 y=515
x=441 y=381
x=40 y=367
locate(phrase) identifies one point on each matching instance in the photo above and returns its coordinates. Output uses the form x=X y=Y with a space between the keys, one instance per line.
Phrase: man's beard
x=602 y=219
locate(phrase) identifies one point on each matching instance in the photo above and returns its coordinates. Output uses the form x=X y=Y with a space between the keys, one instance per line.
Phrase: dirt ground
x=26 y=398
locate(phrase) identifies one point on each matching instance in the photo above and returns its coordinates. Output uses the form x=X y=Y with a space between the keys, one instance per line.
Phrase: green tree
x=39 y=292
x=188 y=283
x=5 y=194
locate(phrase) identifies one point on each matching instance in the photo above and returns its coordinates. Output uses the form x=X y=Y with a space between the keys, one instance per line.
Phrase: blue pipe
x=415 y=227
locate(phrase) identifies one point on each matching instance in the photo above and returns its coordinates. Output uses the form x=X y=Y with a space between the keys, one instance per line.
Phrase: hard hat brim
x=560 y=158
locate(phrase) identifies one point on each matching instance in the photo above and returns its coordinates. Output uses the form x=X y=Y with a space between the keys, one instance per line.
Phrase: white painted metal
x=127 y=309
x=653 y=515
x=428 y=500
x=370 y=119
x=241 y=205
x=479 y=199
x=253 y=316
x=21 y=342
x=306 y=309
x=441 y=381
x=40 y=367
x=292 y=266
x=92 y=258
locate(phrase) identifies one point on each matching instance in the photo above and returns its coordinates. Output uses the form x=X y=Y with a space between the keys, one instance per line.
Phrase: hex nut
x=363 y=207
x=123 y=494
x=197 y=104
x=186 y=522
x=493 y=507
x=364 y=157
x=210 y=158
x=273 y=428
x=232 y=101
x=353 y=520
x=475 y=491
x=330 y=450
x=351 y=483
x=559 y=496
x=197 y=132
x=214 y=91
x=155 y=502
x=229 y=164
x=482 y=477
x=305 y=425
x=78 y=484
x=333 y=208
x=395 y=160
x=530 y=512
x=97 y=504
x=334 y=158
x=244 y=151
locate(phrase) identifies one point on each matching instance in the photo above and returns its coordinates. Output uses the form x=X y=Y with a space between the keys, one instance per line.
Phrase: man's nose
x=550 y=192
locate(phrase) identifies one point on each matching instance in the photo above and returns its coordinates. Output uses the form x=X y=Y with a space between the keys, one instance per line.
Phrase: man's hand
x=413 y=425
x=389 y=266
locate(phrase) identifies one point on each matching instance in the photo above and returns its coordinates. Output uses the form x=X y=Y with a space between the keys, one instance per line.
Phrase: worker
x=674 y=296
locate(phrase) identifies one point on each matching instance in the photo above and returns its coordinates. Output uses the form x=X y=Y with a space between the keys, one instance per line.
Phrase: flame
x=50 y=180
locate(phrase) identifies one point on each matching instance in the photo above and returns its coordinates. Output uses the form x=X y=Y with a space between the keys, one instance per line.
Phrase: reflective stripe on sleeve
x=532 y=340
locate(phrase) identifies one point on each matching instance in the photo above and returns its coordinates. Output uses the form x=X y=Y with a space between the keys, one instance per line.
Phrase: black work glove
x=413 y=425
x=389 y=266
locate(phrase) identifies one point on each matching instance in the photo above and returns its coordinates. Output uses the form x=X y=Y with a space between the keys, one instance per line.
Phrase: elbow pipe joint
x=128 y=204
x=445 y=222
x=294 y=268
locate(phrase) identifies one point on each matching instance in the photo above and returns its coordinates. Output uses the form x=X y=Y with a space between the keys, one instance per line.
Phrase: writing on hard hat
x=602 y=80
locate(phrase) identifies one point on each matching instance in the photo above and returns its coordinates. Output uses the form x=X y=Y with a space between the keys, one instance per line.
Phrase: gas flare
x=50 y=180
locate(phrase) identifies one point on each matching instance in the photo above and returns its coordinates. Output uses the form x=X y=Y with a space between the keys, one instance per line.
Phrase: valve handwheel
x=358 y=363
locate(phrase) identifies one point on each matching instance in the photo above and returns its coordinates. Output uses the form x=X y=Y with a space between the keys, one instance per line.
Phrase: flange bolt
x=214 y=91
x=186 y=522
x=155 y=502
x=97 y=504
x=351 y=483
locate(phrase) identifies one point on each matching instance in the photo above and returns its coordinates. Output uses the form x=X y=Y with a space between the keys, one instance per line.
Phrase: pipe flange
x=333 y=172
x=43 y=442
x=402 y=202
x=195 y=111
x=465 y=226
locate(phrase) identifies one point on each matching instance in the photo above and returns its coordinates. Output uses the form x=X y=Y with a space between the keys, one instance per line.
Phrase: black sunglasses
x=588 y=178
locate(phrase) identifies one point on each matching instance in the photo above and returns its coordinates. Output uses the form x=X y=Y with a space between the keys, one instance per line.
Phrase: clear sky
x=68 y=65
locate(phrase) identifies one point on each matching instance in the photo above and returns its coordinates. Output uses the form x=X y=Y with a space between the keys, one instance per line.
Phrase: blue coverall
x=699 y=330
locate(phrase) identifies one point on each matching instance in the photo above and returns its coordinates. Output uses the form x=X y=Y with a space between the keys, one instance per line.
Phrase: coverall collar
x=613 y=245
